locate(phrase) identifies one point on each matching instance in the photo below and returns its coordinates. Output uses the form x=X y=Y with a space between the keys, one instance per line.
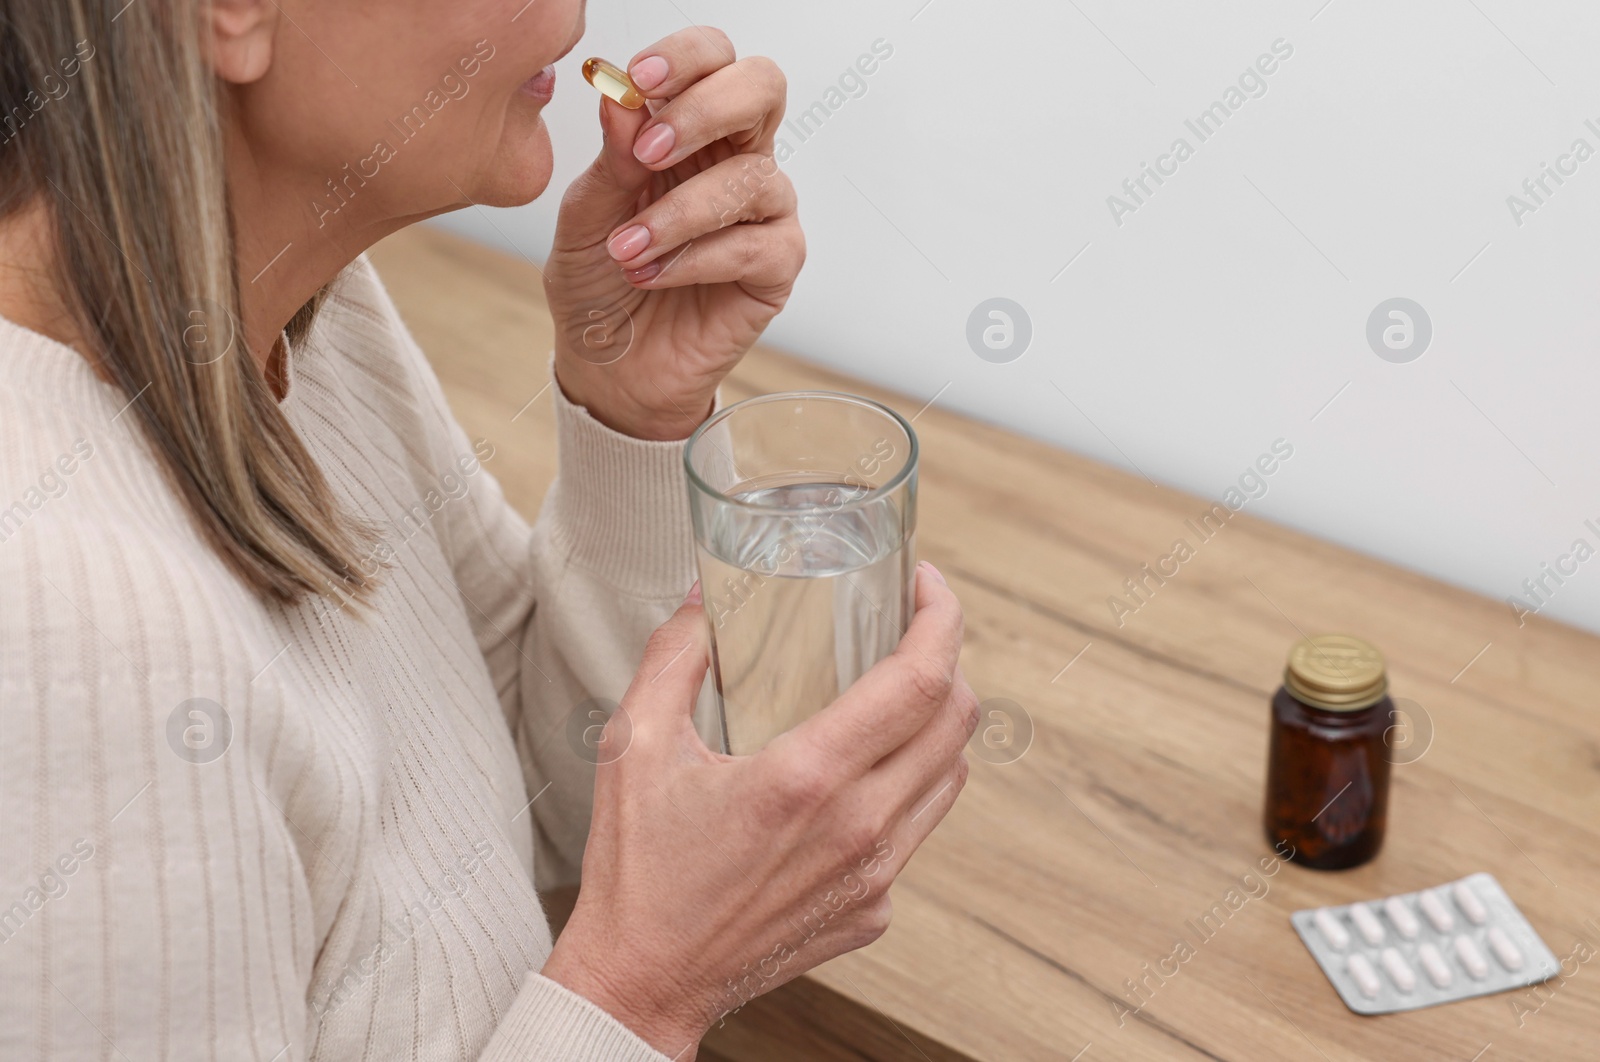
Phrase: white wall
x=1231 y=306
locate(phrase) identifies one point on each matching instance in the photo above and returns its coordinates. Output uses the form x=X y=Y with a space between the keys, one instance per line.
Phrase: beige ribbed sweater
x=352 y=875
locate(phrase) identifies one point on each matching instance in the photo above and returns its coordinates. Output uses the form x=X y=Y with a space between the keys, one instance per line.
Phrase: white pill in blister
x=1367 y=922
x=1330 y=929
x=1469 y=903
x=1434 y=963
x=1471 y=958
x=1365 y=977
x=1405 y=923
x=1438 y=914
x=1399 y=971
x=1503 y=949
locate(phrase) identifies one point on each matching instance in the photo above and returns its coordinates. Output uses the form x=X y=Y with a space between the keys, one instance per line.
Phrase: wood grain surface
x=1072 y=870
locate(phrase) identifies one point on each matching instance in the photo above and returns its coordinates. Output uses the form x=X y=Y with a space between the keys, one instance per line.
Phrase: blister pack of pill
x=1462 y=939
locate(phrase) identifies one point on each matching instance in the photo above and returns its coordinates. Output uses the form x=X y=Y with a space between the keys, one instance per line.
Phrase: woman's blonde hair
x=112 y=120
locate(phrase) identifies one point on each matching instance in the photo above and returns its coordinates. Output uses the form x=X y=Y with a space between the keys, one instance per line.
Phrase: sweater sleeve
x=562 y=609
x=613 y=557
x=551 y=1023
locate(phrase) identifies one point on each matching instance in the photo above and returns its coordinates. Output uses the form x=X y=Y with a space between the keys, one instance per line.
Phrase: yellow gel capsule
x=613 y=82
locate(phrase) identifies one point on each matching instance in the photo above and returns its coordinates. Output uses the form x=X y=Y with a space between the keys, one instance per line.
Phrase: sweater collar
x=49 y=369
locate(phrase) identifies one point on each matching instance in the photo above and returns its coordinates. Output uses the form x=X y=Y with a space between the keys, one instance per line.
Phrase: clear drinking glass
x=805 y=516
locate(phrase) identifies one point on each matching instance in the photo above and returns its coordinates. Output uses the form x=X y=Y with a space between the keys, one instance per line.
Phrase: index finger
x=899 y=694
x=675 y=62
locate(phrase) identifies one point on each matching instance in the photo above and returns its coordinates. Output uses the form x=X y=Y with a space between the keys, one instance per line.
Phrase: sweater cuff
x=621 y=505
x=551 y=1023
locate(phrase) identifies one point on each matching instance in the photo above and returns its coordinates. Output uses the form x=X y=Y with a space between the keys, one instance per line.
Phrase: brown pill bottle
x=1327 y=762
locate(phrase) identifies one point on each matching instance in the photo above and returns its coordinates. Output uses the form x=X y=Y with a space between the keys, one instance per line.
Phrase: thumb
x=607 y=193
x=672 y=671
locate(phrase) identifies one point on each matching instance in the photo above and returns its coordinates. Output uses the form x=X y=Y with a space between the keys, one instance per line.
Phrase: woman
x=284 y=682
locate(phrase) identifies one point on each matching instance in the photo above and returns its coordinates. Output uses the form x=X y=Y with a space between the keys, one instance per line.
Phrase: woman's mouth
x=542 y=86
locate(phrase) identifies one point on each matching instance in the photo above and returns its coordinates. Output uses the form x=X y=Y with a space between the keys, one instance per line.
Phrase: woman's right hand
x=710 y=879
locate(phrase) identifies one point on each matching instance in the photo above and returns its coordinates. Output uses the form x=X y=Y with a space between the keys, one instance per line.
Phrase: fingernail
x=648 y=73
x=694 y=594
x=655 y=144
x=629 y=243
x=643 y=273
x=937 y=574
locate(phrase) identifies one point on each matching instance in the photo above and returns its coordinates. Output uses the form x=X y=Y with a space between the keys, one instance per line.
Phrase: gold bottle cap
x=1336 y=672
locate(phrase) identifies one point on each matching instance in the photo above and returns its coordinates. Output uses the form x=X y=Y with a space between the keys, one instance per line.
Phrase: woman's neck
x=274 y=283
x=31 y=295
x=288 y=251
x=286 y=254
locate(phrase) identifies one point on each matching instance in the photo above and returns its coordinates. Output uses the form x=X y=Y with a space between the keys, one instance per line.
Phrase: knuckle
x=588 y=184
x=787 y=195
x=667 y=219
x=926 y=682
x=772 y=809
x=858 y=839
x=767 y=188
x=720 y=41
x=751 y=254
x=969 y=709
x=769 y=73
x=963 y=769
x=875 y=920
x=662 y=639
x=761 y=176
x=797 y=255
x=958 y=619
x=791 y=267
x=806 y=786
x=614 y=738
x=778 y=186
x=664 y=644
x=689 y=114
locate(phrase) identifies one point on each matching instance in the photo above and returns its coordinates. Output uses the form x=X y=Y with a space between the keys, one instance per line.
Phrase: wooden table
x=1062 y=875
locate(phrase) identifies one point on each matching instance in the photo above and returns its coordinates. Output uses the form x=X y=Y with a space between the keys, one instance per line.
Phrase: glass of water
x=805 y=516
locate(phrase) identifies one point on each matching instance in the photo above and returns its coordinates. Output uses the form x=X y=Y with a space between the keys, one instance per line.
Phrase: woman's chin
x=523 y=171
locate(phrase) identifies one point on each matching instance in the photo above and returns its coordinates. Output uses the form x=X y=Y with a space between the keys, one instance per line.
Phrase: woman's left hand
x=679 y=244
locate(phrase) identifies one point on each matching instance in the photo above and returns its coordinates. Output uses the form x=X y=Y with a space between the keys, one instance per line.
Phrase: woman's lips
x=542 y=86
